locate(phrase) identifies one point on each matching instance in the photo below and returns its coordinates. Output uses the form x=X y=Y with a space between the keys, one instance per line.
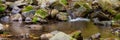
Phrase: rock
x=116 y=32
x=38 y=19
x=29 y=13
x=17 y=17
x=78 y=11
x=62 y=16
x=55 y=32
x=61 y=36
x=58 y=6
x=54 y=12
x=34 y=27
x=16 y=10
x=96 y=36
x=46 y=36
x=2 y=7
x=1 y=27
x=77 y=35
x=28 y=20
x=5 y=19
x=45 y=3
x=63 y=2
x=42 y=13
x=19 y=3
x=27 y=8
x=41 y=20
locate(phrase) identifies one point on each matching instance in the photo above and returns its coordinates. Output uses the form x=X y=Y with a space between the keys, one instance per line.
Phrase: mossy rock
x=117 y=17
x=27 y=8
x=35 y=19
x=41 y=13
x=63 y=2
x=2 y=7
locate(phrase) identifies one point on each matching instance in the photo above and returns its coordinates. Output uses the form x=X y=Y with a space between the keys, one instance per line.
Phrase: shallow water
x=87 y=28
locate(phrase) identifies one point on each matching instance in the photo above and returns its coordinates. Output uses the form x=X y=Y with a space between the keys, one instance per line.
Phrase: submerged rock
x=34 y=27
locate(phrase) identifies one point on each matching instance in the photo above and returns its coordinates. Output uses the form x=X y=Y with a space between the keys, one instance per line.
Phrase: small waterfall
x=72 y=17
x=79 y=19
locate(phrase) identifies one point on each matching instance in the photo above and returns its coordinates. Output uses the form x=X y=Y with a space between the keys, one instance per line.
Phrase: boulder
x=61 y=36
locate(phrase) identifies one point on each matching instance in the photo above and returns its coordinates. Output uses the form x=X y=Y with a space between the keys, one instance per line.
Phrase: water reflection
x=18 y=29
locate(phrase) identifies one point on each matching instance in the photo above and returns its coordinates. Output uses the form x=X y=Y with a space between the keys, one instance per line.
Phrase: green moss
x=27 y=8
x=63 y=2
x=35 y=19
x=117 y=17
x=76 y=34
x=2 y=8
x=41 y=13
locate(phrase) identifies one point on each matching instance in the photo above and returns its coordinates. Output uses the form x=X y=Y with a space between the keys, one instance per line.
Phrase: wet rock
x=54 y=12
x=1 y=26
x=34 y=27
x=16 y=10
x=17 y=17
x=5 y=19
x=61 y=36
x=62 y=16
